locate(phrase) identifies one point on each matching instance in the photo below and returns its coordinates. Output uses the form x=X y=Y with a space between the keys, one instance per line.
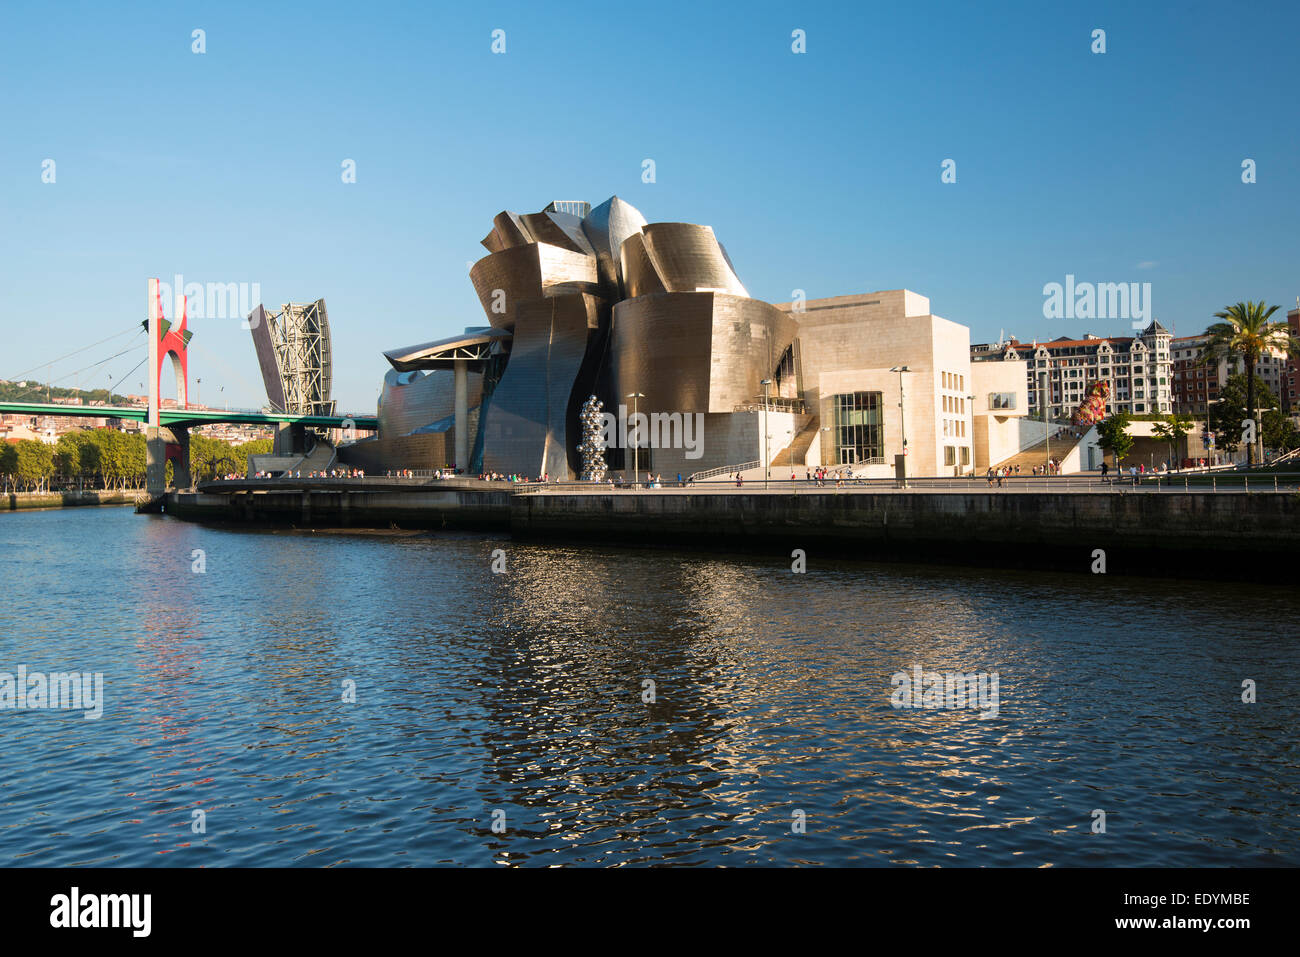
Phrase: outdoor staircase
x=795 y=455
x=1037 y=455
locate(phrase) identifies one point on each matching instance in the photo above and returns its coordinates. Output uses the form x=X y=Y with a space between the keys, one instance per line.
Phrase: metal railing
x=1190 y=481
x=724 y=470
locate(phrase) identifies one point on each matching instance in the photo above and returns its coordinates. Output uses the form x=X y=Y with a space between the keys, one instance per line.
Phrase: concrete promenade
x=20 y=501
x=1218 y=530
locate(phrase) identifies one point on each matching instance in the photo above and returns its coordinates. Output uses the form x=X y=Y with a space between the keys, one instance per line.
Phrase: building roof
x=473 y=345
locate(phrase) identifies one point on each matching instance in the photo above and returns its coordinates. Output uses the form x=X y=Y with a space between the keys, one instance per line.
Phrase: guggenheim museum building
x=653 y=320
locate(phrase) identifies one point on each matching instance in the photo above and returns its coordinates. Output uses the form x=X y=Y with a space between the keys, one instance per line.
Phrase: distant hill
x=36 y=392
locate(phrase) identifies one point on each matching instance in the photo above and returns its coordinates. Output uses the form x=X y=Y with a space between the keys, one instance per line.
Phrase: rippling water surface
x=522 y=693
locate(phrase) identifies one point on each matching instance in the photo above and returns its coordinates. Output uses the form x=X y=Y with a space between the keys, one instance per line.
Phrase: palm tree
x=1246 y=333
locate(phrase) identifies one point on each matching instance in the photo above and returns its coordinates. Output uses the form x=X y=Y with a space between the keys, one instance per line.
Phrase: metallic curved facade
x=530 y=271
x=688 y=258
x=608 y=226
x=639 y=276
x=600 y=304
x=412 y=400
x=526 y=423
x=696 y=351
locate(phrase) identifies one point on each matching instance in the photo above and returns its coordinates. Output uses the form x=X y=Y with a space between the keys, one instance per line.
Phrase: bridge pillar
x=163 y=444
x=461 y=384
x=155 y=461
x=178 y=451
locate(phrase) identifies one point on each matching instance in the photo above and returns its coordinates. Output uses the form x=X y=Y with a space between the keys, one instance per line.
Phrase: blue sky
x=819 y=171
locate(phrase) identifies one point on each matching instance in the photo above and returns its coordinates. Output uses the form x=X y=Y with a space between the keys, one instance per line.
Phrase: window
x=859 y=426
x=950 y=455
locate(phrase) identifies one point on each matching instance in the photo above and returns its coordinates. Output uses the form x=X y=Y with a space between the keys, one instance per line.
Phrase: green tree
x=1246 y=333
x=67 y=456
x=1172 y=429
x=255 y=447
x=35 y=463
x=9 y=464
x=91 y=448
x=1230 y=410
x=1113 y=437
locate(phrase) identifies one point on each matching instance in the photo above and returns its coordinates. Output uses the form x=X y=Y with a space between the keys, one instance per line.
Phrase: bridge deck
x=139 y=413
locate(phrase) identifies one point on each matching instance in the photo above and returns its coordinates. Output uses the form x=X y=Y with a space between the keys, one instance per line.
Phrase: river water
x=505 y=718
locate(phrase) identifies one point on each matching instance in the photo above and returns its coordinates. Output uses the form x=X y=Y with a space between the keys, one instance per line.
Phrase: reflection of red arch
x=172 y=343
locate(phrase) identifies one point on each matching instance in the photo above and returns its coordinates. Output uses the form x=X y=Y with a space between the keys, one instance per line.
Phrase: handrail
x=724 y=470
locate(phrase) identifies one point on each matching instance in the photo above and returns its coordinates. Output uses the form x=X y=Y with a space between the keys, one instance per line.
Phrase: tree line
x=108 y=459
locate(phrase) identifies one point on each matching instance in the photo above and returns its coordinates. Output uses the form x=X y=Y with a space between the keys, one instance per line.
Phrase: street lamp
x=635 y=463
x=1209 y=459
x=970 y=413
x=767 y=468
x=902 y=415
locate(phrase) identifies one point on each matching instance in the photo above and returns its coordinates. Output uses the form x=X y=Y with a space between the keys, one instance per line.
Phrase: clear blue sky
x=818 y=171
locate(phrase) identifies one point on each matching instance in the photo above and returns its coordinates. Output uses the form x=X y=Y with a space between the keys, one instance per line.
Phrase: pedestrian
x=990 y=476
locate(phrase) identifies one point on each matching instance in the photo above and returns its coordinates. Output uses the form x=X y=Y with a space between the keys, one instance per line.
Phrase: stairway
x=1037 y=455
x=794 y=455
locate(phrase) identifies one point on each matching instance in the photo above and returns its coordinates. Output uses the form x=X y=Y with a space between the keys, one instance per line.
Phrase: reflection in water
x=523 y=699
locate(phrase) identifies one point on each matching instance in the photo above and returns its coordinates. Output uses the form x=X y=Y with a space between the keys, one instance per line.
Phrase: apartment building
x=1197 y=385
x=1059 y=372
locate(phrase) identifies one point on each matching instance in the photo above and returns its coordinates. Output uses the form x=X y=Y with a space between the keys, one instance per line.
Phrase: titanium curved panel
x=697 y=352
x=510 y=230
x=410 y=400
x=529 y=272
x=559 y=229
x=525 y=430
x=608 y=226
x=688 y=258
x=639 y=276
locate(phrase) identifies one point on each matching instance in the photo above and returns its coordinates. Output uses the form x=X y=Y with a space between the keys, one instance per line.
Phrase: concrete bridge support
x=164 y=443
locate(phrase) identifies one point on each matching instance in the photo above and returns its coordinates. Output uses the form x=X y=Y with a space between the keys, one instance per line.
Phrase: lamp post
x=767 y=468
x=1043 y=382
x=970 y=413
x=902 y=414
x=1209 y=459
x=635 y=463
